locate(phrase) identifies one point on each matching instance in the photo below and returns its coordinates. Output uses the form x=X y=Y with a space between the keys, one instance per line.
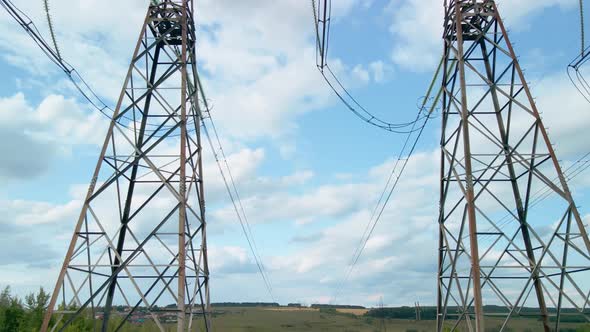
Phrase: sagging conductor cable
x=322 y=16
x=395 y=174
x=55 y=56
x=232 y=190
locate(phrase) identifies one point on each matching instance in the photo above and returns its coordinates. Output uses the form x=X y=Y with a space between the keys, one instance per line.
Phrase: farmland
x=237 y=319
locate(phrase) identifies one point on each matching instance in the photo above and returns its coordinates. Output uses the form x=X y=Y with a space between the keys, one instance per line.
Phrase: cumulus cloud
x=32 y=137
x=231 y=260
x=379 y=70
x=16 y=238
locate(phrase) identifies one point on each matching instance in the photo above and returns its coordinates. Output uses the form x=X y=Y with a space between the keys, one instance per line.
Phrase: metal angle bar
x=158 y=278
x=453 y=261
x=139 y=154
x=158 y=173
x=158 y=97
x=116 y=271
x=153 y=195
x=152 y=264
x=128 y=200
x=111 y=277
x=119 y=269
x=537 y=267
x=492 y=285
x=76 y=298
x=166 y=75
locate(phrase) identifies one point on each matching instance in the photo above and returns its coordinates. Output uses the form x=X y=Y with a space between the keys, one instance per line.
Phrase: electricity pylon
x=139 y=249
x=498 y=246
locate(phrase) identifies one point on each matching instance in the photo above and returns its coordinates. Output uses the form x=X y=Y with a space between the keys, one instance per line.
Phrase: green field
x=264 y=319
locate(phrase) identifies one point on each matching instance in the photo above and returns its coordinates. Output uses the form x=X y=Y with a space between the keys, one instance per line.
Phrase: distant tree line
x=245 y=304
x=429 y=313
x=336 y=306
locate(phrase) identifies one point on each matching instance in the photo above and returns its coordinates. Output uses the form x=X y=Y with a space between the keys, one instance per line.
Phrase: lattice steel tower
x=501 y=253
x=139 y=249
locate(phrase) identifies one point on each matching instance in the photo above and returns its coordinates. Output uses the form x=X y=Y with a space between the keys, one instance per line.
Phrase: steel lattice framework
x=497 y=246
x=139 y=248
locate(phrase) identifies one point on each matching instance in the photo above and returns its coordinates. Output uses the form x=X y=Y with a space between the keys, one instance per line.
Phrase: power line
x=322 y=15
x=233 y=192
x=576 y=77
x=393 y=180
x=54 y=56
x=408 y=128
x=376 y=216
x=363 y=113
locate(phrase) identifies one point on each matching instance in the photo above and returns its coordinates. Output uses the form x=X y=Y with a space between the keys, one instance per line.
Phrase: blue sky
x=308 y=171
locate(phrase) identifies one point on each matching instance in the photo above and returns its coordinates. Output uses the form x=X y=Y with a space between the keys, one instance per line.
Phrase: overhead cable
x=54 y=56
x=322 y=17
x=395 y=175
x=230 y=186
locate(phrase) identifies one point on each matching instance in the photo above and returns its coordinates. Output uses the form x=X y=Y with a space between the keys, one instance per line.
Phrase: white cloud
x=230 y=260
x=33 y=137
x=35 y=213
x=379 y=70
x=361 y=74
x=565 y=113
x=56 y=119
x=408 y=17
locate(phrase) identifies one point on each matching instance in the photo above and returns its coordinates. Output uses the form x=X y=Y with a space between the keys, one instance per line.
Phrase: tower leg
x=469 y=190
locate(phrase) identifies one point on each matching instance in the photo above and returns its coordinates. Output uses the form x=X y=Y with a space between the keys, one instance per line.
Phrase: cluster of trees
x=17 y=315
x=426 y=313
